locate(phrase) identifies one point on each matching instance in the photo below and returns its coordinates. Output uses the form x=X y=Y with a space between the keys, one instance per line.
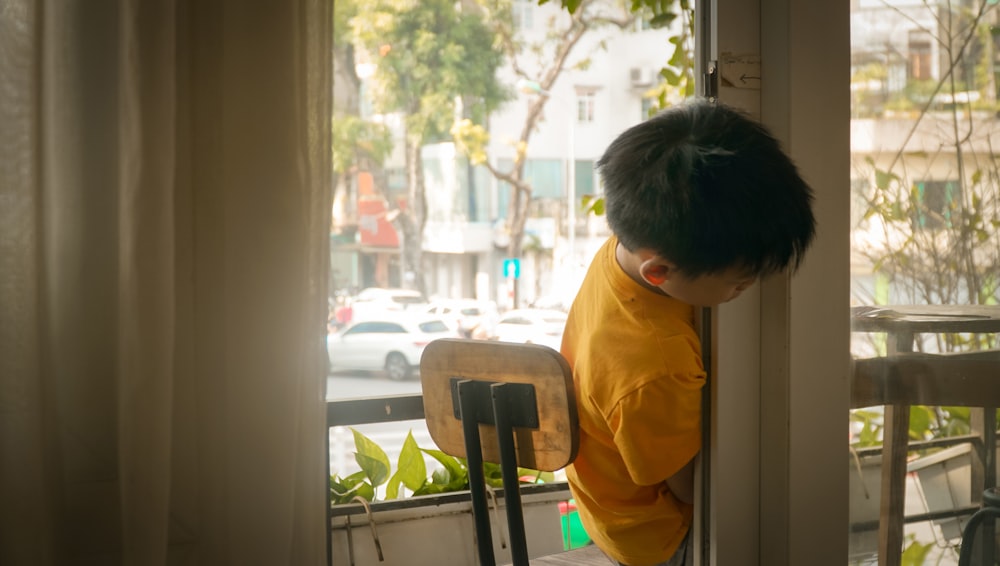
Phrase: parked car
x=532 y=326
x=466 y=315
x=376 y=303
x=393 y=344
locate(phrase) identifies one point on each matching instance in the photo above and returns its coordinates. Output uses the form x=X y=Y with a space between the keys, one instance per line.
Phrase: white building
x=600 y=94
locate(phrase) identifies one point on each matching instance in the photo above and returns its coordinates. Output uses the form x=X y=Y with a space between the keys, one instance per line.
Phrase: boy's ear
x=656 y=271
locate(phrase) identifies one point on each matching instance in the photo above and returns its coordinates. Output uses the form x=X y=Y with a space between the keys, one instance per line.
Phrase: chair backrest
x=510 y=404
x=550 y=446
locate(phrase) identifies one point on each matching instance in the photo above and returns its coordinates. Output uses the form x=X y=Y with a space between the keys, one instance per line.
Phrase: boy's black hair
x=708 y=188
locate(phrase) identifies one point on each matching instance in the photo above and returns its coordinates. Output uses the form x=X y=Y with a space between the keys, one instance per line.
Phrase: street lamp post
x=532 y=87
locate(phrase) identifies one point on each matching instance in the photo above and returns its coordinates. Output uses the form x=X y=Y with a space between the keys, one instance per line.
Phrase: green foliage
x=342 y=14
x=471 y=139
x=926 y=423
x=411 y=473
x=356 y=140
x=677 y=73
x=941 y=239
x=916 y=553
x=871 y=427
x=593 y=205
x=569 y=5
x=428 y=54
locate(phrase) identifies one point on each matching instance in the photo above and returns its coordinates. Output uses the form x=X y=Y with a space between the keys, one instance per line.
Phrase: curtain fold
x=164 y=205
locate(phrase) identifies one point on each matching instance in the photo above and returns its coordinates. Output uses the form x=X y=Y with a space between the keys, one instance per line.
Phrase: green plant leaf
x=440 y=476
x=595 y=206
x=343 y=490
x=883 y=178
x=411 y=468
x=432 y=489
x=456 y=468
x=492 y=474
x=920 y=422
x=371 y=458
x=916 y=554
x=392 y=487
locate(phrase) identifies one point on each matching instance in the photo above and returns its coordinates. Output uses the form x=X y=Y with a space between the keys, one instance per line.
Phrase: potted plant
x=407 y=516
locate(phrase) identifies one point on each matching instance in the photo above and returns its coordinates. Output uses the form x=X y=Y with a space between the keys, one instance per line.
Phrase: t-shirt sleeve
x=657 y=427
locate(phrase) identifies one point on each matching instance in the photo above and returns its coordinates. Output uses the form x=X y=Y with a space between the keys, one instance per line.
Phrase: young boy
x=702 y=202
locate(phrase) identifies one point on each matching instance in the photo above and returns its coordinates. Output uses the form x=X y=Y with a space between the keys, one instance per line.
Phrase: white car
x=393 y=344
x=531 y=326
x=465 y=315
x=375 y=303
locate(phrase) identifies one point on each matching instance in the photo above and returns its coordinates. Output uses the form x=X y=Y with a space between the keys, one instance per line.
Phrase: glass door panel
x=925 y=268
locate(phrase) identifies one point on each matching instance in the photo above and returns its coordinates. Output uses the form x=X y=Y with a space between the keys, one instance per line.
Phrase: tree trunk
x=517 y=215
x=413 y=218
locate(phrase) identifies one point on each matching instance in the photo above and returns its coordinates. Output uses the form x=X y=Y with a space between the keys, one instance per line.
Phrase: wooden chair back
x=550 y=446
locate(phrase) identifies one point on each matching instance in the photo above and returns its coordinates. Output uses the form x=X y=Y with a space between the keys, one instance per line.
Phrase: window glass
x=363 y=328
x=925 y=250
x=523 y=12
x=585 y=105
x=419 y=206
x=408 y=299
x=433 y=326
x=584 y=177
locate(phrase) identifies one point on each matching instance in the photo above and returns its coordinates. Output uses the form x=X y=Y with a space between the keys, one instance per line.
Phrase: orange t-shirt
x=636 y=362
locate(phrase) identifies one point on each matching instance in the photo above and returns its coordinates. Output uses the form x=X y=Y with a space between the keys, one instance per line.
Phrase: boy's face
x=707 y=290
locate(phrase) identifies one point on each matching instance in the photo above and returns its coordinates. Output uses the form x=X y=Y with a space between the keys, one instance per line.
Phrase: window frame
x=777 y=492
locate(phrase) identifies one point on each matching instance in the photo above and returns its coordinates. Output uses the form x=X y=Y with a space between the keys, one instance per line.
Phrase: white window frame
x=586 y=107
x=523 y=14
x=777 y=457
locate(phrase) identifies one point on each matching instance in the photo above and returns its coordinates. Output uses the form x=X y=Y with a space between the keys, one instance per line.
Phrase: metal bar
x=527 y=490
x=329 y=507
x=477 y=481
x=926 y=444
x=374 y=410
x=989 y=481
x=704 y=550
x=967 y=511
x=502 y=402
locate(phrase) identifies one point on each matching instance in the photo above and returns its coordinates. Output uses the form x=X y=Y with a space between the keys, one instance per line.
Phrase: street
x=351 y=385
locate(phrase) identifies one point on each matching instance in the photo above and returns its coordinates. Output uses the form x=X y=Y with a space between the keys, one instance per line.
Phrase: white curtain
x=164 y=203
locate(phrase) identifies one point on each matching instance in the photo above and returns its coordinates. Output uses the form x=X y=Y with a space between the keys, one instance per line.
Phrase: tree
x=549 y=59
x=434 y=58
x=678 y=72
x=931 y=222
x=358 y=145
x=587 y=16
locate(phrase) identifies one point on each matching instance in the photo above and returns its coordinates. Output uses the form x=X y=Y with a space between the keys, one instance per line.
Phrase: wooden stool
x=505 y=403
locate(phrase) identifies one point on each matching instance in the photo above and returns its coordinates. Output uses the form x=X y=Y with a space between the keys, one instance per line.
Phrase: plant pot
x=432 y=530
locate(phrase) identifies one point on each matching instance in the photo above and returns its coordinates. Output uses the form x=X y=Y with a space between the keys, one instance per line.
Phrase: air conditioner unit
x=640 y=76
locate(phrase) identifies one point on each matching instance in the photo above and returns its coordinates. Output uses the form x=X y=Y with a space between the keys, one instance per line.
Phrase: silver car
x=393 y=344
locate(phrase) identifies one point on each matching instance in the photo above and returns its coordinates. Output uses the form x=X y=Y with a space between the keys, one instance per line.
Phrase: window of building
x=524 y=14
x=584 y=177
x=935 y=203
x=585 y=107
x=647 y=104
x=920 y=53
